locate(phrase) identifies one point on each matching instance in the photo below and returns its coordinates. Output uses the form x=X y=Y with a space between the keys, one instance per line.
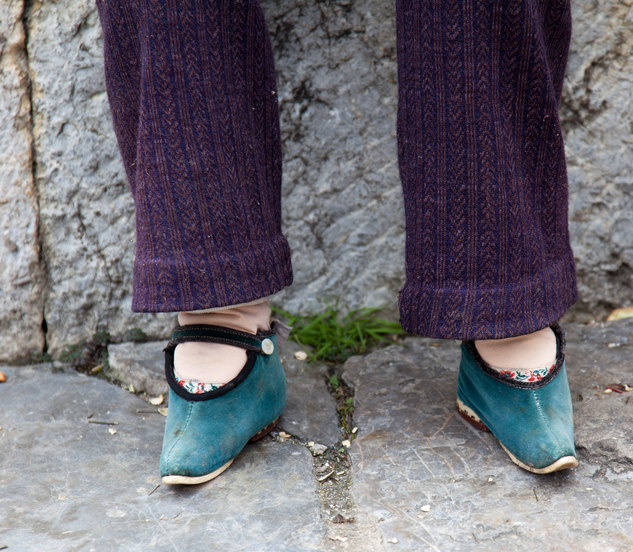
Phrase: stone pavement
x=416 y=477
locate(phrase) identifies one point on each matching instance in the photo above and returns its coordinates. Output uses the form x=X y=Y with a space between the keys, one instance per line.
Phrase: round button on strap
x=268 y=346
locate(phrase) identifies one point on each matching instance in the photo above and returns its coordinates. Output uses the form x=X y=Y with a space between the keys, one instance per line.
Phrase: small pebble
x=284 y=435
x=346 y=443
x=426 y=508
x=607 y=391
x=301 y=355
x=589 y=488
x=354 y=430
x=157 y=400
x=3 y=378
x=131 y=388
x=318 y=449
x=490 y=480
x=111 y=430
x=310 y=443
x=393 y=541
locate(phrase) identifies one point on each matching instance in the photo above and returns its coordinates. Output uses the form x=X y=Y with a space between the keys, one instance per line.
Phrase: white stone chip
x=157 y=400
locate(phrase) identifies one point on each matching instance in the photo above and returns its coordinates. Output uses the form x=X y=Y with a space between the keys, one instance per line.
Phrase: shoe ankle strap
x=260 y=343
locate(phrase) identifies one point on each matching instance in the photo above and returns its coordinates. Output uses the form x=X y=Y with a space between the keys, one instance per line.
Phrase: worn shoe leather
x=533 y=420
x=205 y=432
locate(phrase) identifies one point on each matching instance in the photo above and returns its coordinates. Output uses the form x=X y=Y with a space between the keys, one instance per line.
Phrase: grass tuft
x=334 y=338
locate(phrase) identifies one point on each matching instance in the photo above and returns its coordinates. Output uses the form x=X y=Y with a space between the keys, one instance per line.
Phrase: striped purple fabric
x=192 y=92
x=482 y=166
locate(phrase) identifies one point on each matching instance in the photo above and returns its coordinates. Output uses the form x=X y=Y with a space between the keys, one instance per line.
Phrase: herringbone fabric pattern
x=192 y=91
x=482 y=166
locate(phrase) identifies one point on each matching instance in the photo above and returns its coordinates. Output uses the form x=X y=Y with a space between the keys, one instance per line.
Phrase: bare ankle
x=527 y=352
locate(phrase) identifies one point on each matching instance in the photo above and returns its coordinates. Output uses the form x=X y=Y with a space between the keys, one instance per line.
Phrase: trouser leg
x=482 y=166
x=192 y=92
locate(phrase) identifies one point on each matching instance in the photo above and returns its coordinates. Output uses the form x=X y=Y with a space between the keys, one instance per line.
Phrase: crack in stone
x=332 y=467
x=42 y=267
x=332 y=474
x=606 y=458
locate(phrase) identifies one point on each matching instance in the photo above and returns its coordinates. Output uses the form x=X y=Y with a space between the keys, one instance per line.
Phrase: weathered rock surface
x=86 y=211
x=310 y=409
x=342 y=207
x=139 y=364
x=414 y=450
x=342 y=203
x=598 y=356
x=20 y=272
x=68 y=484
x=597 y=117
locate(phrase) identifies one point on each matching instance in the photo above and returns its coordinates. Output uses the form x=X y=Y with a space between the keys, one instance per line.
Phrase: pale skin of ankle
x=215 y=362
x=525 y=352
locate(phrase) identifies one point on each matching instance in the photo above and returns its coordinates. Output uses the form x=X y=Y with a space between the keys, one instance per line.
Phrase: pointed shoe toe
x=205 y=432
x=532 y=419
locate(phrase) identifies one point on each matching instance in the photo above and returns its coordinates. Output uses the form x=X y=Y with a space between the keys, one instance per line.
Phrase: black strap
x=217 y=334
x=214 y=334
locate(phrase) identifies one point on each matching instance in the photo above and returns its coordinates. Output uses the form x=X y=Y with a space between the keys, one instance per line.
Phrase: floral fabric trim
x=537 y=374
x=194 y=386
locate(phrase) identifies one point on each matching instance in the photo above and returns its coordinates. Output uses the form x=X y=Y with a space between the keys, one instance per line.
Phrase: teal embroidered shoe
x=531 y=415
x=204 y=432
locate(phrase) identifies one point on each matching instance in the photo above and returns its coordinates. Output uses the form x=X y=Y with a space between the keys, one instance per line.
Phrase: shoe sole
x=184 y=480
x=561 y=464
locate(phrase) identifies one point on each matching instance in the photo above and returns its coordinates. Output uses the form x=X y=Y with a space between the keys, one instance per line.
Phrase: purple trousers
x=192 y=91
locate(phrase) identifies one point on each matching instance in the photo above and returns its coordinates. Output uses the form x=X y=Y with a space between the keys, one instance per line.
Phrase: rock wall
x=67 y=219
x=342 y=203
x=597 y=115
x=21 y=301
x=86 y=211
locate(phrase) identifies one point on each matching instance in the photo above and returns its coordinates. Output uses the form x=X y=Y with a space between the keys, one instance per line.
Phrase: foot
x=528 y=410
x=206 y=430
x=201 y=366
x=525 y=352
